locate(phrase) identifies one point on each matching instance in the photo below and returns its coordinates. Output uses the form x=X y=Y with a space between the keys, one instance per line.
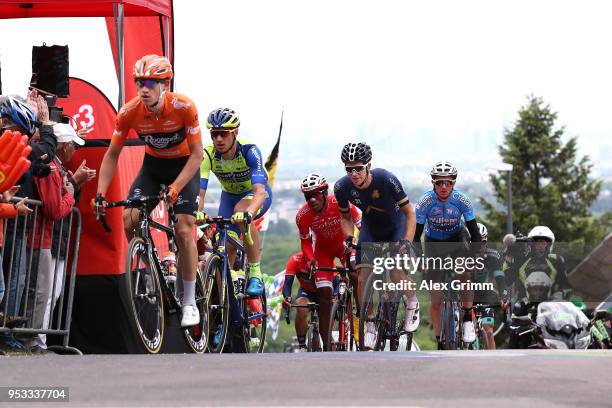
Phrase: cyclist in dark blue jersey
x=387 y=215
x=439 y=212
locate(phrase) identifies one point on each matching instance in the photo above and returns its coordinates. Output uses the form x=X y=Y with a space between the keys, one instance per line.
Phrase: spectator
x=57 y=193
x=16 y=114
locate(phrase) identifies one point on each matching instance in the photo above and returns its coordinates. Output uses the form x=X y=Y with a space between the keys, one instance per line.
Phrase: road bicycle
x=232 y=314
x=150 y=290
x=383 y=311
x=314 y=343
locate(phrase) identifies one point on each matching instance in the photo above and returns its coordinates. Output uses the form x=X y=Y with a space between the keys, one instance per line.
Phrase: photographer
x=526 y=255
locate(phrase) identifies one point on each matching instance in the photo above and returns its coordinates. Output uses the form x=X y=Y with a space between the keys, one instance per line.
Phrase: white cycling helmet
x=538 y=286
x=483 y=231
x=542 y=231
x=444 y=169
x=314 y=182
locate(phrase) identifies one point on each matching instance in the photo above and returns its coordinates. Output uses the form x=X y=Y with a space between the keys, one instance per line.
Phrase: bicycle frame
x=221 y=249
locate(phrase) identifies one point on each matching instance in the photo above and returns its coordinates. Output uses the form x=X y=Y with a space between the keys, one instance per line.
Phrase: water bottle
x=238 y=278
x=170 y=262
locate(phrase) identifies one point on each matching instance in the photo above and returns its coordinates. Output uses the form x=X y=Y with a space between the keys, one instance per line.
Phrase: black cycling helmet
x=356 y=152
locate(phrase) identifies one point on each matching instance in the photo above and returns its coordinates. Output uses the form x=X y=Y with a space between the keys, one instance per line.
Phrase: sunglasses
x=441 y=183
x=147 y=82
x=220 y=132
x=355 y=169
x=312 y=194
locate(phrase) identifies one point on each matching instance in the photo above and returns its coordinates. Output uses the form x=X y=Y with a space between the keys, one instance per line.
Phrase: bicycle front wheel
x=144 y=295
x=372 y=325
x=197 y=336
x=313 y=339
x=340 y=333
x=217 y=302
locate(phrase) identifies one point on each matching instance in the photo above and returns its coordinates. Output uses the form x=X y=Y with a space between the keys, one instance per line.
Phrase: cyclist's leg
x=255 y=285
x=185 y=209
x=145 y=184
x=434 y=275
x=466 y=295
x=323 y=280
x=488 y=320
x=301 y=315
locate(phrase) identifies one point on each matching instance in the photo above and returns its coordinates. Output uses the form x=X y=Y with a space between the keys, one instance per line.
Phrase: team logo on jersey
x=178 y=104
x=358 y=202
x=437 y=211
x=449 y=211
x=375 y=195
x=354 y=193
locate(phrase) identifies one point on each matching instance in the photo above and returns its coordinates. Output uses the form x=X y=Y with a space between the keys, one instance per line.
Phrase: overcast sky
x=435 y=74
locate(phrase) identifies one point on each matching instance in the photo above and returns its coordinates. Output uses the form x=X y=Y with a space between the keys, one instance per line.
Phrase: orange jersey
x=168 y=134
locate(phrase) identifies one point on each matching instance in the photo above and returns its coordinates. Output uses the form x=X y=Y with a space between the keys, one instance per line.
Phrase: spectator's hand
x=22 y=208
x=43 y=111
x=14 y=152
x=84 y=131
x=9 y=194
x=83 y=174
x=68 y=187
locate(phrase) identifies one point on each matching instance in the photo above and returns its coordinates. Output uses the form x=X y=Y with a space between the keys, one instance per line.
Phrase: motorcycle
x=556 y=325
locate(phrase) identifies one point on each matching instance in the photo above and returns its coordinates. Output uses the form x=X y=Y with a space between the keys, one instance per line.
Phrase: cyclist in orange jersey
x=168 y=124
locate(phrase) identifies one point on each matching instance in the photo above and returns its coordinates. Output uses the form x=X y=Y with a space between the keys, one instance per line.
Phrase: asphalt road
x=534 y=378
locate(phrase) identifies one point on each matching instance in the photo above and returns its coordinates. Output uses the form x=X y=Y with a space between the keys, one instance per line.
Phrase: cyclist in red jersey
x=297 y=266
x=320 y=223
x=168 y=124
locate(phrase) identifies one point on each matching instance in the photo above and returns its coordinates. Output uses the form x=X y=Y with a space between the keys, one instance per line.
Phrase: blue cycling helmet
x=223 y=118
x=19 y=113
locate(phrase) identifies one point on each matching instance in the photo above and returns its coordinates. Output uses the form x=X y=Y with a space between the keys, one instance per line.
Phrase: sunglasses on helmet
x=147 y=82
x=355 y=169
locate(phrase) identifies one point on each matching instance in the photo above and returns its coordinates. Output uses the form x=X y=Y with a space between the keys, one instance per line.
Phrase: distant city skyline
x=419 y=81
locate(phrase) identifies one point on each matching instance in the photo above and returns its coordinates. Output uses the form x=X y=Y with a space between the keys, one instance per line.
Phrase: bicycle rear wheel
x=144 y=295
x=197 y=336
x=217 y=302
x=255 y=323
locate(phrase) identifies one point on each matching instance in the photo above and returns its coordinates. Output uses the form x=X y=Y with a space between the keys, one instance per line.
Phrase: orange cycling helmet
x=153 y=66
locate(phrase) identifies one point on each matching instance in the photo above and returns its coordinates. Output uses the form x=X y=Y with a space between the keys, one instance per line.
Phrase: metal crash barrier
x=37 y=298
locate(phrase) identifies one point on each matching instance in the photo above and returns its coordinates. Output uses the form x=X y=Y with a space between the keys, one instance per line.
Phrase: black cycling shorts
x=156 y=171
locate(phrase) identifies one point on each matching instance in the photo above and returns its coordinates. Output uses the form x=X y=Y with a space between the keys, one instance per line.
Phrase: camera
x=56 y=113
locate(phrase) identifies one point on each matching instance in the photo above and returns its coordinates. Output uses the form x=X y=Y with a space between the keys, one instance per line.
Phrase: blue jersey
x=442 y=220
x=380 y=203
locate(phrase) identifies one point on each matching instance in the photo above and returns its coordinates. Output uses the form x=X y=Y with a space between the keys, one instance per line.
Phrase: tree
x=549 y=185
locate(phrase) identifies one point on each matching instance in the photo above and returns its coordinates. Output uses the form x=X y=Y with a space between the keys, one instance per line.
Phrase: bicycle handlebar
x=224 y=222
x=140 y=203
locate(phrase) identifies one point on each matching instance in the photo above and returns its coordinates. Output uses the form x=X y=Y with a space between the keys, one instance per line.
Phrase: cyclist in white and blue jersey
x=439 y=212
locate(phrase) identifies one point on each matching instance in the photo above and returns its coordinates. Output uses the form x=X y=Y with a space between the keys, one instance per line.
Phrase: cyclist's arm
x=410 y=222
x=204 y=175
x=348 y=226
x=287 y=285
x=192 y=165
x=108 y=167
x=111 y=157
x=259 y=178
x=305 y=236
x=356 y=216
x=194 y=140
x=259 y=196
